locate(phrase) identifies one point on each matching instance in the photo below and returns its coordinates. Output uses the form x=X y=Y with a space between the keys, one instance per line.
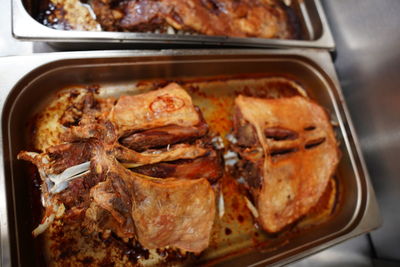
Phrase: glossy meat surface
x=163 y=136
x=295 y=154
x=238 y=18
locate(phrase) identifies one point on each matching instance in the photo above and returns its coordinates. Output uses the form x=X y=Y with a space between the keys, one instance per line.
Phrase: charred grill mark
x=314 y=143
x=309 y=128
x=282 y=152
x=280 y=134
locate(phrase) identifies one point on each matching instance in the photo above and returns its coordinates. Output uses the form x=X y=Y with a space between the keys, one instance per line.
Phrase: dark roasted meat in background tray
x=243 y=18
x=87 y=181
x=289 y=153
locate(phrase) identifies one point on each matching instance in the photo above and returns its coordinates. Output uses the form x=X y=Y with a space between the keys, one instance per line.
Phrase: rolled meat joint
x=141 y=169
x=289 y=153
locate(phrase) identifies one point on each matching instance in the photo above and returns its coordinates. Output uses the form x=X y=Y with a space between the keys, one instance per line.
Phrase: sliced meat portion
x=142 y=16
x=175 y=213
x=208 y=167
x=61 y=167
x=167 y=106
x=243 y=18
x=132 y=159
x=163 y=136
x=290 y=164
x=86 y=117
x=170 y=212
x=88 y=180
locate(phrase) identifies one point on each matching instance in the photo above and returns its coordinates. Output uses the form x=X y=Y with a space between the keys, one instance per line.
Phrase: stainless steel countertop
x=368 y=62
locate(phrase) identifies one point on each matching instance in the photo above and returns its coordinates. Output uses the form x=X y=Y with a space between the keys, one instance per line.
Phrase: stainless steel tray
x=27 y=83
x=313 y=23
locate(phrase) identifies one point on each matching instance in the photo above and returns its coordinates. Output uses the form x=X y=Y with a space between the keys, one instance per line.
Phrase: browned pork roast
x=289 y=153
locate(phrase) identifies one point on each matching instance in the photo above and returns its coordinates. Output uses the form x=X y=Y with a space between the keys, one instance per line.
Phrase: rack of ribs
x=289 y=153
x=134 y=169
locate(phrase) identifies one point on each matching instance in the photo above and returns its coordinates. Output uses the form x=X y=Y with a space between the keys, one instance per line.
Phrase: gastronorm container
x=28 y=82
x=313 y=22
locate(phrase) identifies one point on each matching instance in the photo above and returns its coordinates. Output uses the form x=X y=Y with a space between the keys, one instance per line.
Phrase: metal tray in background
x=29 y=86
x=313 y=22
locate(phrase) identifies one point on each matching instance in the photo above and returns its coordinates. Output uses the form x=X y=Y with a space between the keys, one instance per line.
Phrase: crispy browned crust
x=239 y=18
x=299 y=154
x=88 y=174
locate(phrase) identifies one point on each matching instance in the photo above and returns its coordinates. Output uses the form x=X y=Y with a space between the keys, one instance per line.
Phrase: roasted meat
x=158 y=212
x=207 y=166
x=163 y=136
x=170 y=105
x=165 y=212
x=133 y=159
x=238 y=18
x=61 y=167
x=289 y=153
x=254 y=18
x=167 y=202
